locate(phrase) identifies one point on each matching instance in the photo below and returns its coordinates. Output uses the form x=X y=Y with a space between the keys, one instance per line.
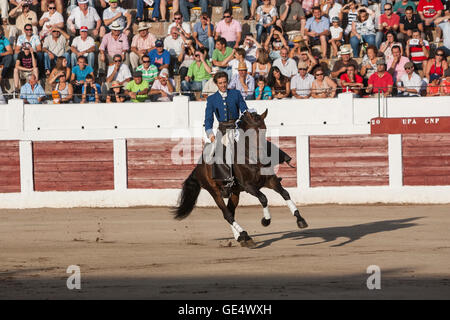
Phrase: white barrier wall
x=301 y=119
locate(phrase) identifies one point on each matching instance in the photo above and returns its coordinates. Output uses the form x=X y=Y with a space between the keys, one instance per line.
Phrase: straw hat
x=143 y=26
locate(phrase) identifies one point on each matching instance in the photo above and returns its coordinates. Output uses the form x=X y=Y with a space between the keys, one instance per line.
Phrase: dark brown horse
x=249 y=178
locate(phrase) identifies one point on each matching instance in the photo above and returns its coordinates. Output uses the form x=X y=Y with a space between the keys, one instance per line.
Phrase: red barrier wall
x=9 y=166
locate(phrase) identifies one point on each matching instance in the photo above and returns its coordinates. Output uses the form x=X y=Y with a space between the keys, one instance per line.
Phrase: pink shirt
x=400 y=68
x=228 y=31
x=142 y=44
x=112 y=46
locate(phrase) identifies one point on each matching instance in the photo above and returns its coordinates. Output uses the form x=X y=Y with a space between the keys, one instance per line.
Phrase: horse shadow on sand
x=352 y=233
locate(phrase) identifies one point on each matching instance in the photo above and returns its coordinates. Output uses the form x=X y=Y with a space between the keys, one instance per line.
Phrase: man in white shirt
x=83 y=15
x=183 y=27
x=250 y=46
x=411 y=83
x=173 y=42
x=301 y=83
x=118 y=14
x=287 y=66
x=83 y=45
x=163 y=88
x=118 y=71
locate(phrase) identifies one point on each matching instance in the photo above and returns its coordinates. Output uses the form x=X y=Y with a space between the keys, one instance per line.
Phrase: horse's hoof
x=265 y=222
x=302 y=223
x=248 y=244
x=243 y=236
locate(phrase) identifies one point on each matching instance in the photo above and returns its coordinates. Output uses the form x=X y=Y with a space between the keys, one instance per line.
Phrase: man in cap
x=118 y=71
x=142 y=43
x=84 y=15
x=115 y=14
x=163 y=88
x=113 y=43
x=137 y=89
x=301 y=83
x=54 y=46
x=380 y=82
x=83 y=45
x=410 y=83
x=26 y=64
x=159 y=56
x=243 y=82
x=198 y=74
x=340 y=66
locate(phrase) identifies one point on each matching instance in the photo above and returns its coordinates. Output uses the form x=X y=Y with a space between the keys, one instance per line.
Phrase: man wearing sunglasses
x=185 y=5
x=389 y=21
x=410 y=83
x=49 y=20
x=203 y=33
x=229 y=29
x=199 y=73
x=33 y=39
x=118 y=71
x=24 y=15
x=149 y=71
x=301 y=83
x=182 y=26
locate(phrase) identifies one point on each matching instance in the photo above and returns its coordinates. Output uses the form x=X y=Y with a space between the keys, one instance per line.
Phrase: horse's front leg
x=265 y=221
x=240 y=234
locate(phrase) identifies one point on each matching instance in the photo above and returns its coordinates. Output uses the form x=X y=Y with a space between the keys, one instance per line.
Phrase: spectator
x=229 y=29
x=198 y=74
x=210 y=86
x=33 y=39
x=118 y=15
x=26 y=64
x=292 y=16
x=116 y=93
x=32 y=92
x=163 y=88
x=59 y=5
x=445 y=84
x=444 y=24
x=186 y=57
x=220 y=55
x=83 y=45
x=280 y=85
x=141 y=45
x=262 y=65
x=262 y=91
x=137 y=89
x=4 y=8
x=173 y=44
x=158 y=8
x=299 y=44
x=317 y=30
x=401 y=6
x=301 y=83
x=433 y=86
x=113 y=43
x=351 y=81
x=351 y=9
x=118 y=71
x=159 y=56
x=409 y=22
x=436 y=65
x=83 y=15
x=184 y=27
x=308 y=58
x=250 y=46
x=418 y=50
x=322 y=86
x=91 y=91
x=243 y=82
x=274 y=42
x=340 y=66
x=337 y=37
x=363 y=29
x=64 y=89
x=239 y=58
x=429 y=11
x=243 y=4
x=308 y=6
x=388 y=21
x=410 y=83
x=6 y=55
x=55 y=46
x=185 y=5
x=266 y=15
x=369 y=62
x=24 y=16
x=50 y=20
x=204 y=33
x=386 y=47
x=381 y=81
x=331 y=9
x=149 y=71
x=79 y=74
x=60 y=68
x=287 y=66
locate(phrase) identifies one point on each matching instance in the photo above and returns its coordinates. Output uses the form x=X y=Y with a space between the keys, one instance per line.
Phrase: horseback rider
x=227 y=105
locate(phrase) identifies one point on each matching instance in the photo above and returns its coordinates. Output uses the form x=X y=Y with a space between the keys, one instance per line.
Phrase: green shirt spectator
x=137 y=89
x=219 y=56
x=149 y=71
x=198 y=73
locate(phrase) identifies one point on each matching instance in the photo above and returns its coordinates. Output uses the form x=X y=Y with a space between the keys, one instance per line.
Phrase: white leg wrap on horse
x=235 y=233
x=291 y=206
x=237 y=227
x=266 y=213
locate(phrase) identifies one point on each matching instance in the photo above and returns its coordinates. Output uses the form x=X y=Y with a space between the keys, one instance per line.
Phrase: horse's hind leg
x=232 y=204
x=243 y=238
x=265 y=221
x=275 y=184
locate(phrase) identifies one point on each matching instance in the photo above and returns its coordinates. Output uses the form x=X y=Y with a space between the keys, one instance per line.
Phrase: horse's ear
x=264 y=115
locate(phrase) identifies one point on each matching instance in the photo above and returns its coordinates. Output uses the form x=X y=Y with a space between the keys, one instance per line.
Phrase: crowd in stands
x=91 y=51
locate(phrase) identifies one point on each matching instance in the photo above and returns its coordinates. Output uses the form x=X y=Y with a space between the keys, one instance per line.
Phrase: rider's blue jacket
x=225 y=109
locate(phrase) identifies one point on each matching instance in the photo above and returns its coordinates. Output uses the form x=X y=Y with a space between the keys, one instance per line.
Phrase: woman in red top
x=433 y=86
x=350 y=81
x=436 y=65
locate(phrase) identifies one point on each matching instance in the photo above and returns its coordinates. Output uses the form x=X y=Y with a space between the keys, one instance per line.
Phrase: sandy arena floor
x=143 y=253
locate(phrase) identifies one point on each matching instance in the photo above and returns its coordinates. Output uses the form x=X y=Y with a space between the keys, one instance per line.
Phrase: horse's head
x=252 y=120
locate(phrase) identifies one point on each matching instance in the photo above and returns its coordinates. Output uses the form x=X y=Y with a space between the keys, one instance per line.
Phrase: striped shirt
x=416 y=51
x=149 y=74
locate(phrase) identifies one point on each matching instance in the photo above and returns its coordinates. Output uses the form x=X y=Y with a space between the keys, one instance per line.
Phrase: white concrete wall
x=180 y=118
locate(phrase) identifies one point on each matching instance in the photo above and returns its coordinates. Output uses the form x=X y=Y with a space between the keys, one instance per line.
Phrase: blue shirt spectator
x=32 y=92
x=266 y=94
x=235 y=83
x=202 y=32
x=4 y=42
x=90 y=96
x=318 y=26
x=80 y=74
x=160 y=58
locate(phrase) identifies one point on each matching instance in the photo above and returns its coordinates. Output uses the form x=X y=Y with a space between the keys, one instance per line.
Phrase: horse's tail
x=188 y=197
